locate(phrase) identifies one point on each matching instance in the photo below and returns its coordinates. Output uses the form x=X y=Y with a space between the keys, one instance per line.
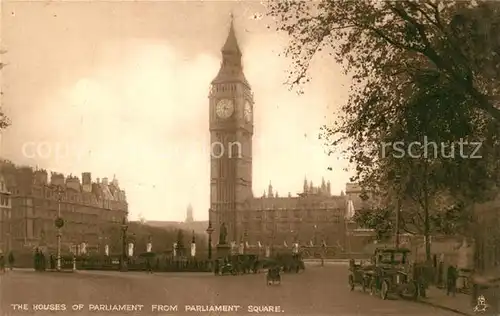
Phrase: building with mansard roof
x=88 y=208
x=311 y=216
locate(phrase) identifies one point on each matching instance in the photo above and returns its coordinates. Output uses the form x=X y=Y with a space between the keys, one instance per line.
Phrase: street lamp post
x=59 y=223
x=124 y=245
x=315 y=237
x=245 y=236
x=210 y=230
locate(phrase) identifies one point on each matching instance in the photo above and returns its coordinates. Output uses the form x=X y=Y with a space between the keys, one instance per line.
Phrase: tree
x=378 y=219
x=386 y=41
x=421 y=69
x=180 y=242
x=4 y=120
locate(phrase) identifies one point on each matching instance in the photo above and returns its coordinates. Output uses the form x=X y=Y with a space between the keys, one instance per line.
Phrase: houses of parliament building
x=314 y=216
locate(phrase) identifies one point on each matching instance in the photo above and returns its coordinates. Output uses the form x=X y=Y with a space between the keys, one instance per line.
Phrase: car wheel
x=384 y=290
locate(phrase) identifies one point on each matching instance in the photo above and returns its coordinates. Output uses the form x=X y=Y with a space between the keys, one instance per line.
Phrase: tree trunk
x=426 y=220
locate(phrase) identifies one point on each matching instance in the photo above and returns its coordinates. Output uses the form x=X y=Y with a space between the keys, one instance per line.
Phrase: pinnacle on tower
x=306 y=189
x=231 y=46
x=231 y=67
x=270 y=190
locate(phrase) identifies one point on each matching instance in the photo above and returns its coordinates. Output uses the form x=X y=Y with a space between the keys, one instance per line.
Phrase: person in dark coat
x=440 y=274
x=451 y=280
x=37 y=259
x=149 y=267
x=42 y=262
x=11 y=260
x=2 y=263
x=52 y=262
x=216 y=267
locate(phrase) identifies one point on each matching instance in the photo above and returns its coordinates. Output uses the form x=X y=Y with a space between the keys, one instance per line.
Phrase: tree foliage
x=138 y=233
x=423 y=71
x=4 y=120
x=380 y=42
x=378 y=219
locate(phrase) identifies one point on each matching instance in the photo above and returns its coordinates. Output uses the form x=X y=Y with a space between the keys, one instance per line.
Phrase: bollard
x=74 y=264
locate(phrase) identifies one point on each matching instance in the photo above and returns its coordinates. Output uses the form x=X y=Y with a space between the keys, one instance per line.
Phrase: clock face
x=247 y=112
x=225 y=108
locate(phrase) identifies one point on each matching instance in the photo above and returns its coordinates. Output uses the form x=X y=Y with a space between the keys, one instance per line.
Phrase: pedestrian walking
x=216 y=267
x=42 y=261
x=451 y=280
x=149 y=267
x=36 y=257
x=2 y=263
x=11 y=260
x=52 y=262
x=440 y=274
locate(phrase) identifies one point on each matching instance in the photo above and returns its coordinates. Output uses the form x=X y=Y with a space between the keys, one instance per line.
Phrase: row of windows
x=5 y=215
x=85 y=199
x=301 y=221
x=4 y=201
x=321 y=216
x=291 y=226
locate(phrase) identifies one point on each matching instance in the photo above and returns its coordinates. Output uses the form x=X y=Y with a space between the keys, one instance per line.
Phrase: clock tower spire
x=231 y=65
x=231 y=132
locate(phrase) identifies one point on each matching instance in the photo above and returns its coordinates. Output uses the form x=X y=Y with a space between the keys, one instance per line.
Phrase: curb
x=450 y=309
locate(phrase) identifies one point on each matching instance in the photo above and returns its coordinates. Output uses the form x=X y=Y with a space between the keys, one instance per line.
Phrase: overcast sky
x=121 y=88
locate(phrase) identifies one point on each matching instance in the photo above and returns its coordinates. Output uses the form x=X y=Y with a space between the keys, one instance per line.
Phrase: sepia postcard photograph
x=224 y=157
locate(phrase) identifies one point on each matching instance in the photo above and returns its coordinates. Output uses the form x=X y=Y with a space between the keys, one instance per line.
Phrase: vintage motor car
x=391 y=273
x=358 y=275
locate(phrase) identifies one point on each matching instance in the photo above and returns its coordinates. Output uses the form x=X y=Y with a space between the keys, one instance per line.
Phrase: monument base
x=223 y=250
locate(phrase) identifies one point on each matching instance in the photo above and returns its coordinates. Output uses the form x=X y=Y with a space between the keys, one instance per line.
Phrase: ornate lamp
x=210 y=230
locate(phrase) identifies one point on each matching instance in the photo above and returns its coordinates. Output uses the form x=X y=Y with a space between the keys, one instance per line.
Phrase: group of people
x=41 y=261
x=10 y=260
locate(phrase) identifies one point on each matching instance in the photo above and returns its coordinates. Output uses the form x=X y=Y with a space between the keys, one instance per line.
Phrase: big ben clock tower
x=231 y=131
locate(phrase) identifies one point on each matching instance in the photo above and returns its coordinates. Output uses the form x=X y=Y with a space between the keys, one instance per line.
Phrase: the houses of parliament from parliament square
x=314 y=216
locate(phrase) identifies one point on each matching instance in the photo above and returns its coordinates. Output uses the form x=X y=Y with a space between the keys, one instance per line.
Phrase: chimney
x=105 y=181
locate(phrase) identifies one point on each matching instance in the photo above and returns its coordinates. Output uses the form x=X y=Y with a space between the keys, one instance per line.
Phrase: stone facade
x=88 y=208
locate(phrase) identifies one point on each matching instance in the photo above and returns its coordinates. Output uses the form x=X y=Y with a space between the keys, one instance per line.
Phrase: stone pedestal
x=223 y=250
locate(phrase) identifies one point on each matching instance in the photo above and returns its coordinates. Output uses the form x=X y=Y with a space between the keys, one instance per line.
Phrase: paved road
x=317 y=291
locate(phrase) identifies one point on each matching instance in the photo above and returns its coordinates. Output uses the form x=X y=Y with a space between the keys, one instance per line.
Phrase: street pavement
x=317 y=291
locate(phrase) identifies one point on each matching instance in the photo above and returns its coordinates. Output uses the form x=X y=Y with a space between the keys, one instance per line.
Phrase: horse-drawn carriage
x=389 y=272
x=273 y=276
